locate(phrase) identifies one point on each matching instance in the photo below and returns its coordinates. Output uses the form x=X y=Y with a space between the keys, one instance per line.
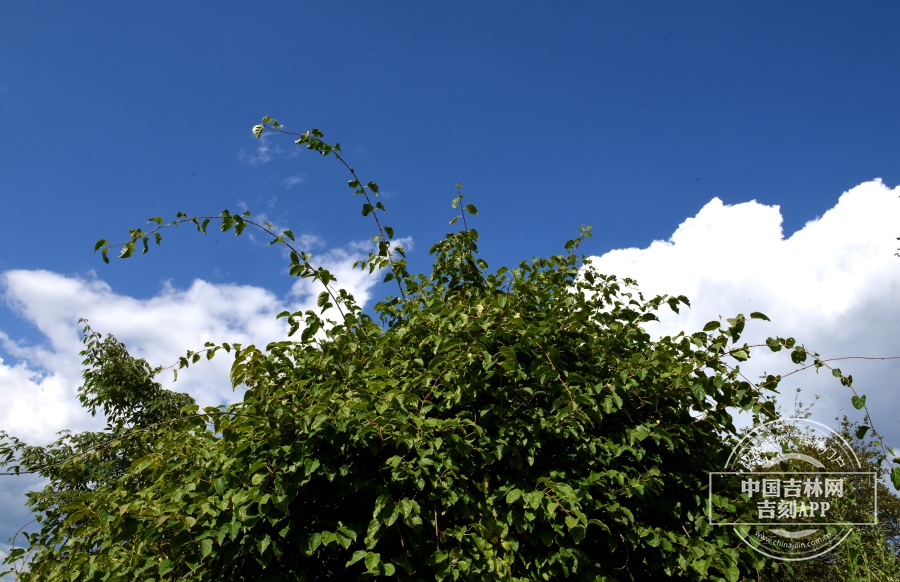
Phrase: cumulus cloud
x=833 y=285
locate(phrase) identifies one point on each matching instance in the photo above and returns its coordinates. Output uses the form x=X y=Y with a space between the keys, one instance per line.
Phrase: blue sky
x=628 y=118
x=631 y=117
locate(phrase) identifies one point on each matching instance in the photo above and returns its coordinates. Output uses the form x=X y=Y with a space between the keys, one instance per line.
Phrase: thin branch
x=309 y=268
x=13 y=540
x=368 y=201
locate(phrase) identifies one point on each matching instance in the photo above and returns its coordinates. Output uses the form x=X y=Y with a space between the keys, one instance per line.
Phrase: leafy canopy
x=515 y=425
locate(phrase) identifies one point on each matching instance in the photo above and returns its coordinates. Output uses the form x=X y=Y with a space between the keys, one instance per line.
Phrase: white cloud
x=294 y=180
x=834 y=285
x=264 y=152
x=260 y=156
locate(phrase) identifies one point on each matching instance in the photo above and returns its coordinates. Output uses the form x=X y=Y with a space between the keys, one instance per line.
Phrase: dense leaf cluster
x=520 y=425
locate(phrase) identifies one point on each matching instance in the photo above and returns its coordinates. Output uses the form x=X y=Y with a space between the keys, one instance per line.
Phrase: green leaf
x=263 y=543
x=156 y=219
x=702 y=565
x=698 y=391
x=858 y=401
x=372 y=560
x=895 y=477
x=227 y=223
x=758 y=315
x=14 y=554
x=100 y=243
x=712 y=325
x=258 y=130
x=166 y=566
x=206 y=547
x=470 y=208
x=513 y=496
x=534 y=498
x=311 y=543
x=861 y=432
x=392 y=516
x=367 y=209
x=740 y=355
x=732 y=573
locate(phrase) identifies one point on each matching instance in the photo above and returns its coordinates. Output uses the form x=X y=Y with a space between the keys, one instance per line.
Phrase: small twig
x=559 y=376
x=300 y=254
x=402 y=545
x=627 y=554
x=437 y=540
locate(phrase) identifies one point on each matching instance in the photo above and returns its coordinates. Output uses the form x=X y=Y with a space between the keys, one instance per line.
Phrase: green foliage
x=513 y=425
